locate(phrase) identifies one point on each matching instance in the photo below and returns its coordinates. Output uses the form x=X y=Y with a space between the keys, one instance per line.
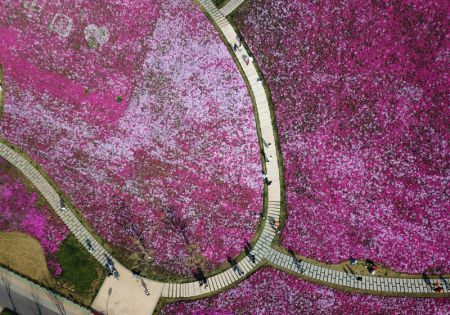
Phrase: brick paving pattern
x=263 y=247
x=230 y=6
x=53 y=199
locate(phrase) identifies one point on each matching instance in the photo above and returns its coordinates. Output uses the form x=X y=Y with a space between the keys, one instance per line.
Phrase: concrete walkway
x=371 y=284
x=405 y=286
x=53 y=199
x=126 y=294
x=230 y=6
x=29 y=298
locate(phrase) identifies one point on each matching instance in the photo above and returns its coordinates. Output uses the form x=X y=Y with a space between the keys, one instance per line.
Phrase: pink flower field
x=138 y=112
x=19 y=212
x=270 y=291
x=361 y=99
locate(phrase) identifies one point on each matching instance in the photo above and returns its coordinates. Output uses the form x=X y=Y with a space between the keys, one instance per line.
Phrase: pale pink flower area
x=19 y=212
x=269 y=291
x=149 y=130
x=361 y=99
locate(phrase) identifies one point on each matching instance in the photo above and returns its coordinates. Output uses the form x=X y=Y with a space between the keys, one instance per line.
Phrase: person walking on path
x=276 y=226
x=252 y=257
x=62 y=204
x=89 y=245
x=239 y=39
x=135 y=273
x=437 y=287
x=265 y=143
x=238 y=270
x=259 y=214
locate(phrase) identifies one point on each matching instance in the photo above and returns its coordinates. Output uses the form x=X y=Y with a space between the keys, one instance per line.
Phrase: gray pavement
x=263 y=248
x=28 y=298
x=230 y=6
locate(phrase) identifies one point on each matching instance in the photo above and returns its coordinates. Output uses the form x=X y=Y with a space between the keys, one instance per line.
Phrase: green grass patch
x=81 y=273
x=7 y=312
x=220 y=3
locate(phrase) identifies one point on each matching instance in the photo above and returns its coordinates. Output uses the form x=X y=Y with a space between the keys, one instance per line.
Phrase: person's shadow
x=231 y=261
x=247 y=248
x=444 y=281
x=427 y=280
x=145 y=287
x=235 y=266
x=107 y=301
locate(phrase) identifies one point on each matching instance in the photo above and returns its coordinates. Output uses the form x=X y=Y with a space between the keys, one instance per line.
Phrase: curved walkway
x=374 y=284
x=54 y=200
x=370 y=284
x=230 y=6
x=125 y=295
x=263 y=245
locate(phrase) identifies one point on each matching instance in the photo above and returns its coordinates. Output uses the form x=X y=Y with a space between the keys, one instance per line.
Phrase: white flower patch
x=95 y=35
x=62 y=25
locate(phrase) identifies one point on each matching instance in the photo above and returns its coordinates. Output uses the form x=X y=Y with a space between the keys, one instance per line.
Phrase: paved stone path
x=53 y=199
x=232 y=275
x=118 y=296
x=230 y=6
x=125 y=293
x=403 y=286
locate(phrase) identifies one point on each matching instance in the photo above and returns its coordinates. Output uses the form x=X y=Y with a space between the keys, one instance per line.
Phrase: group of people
x=203 y=281
x=371 y=266
x=110 y=268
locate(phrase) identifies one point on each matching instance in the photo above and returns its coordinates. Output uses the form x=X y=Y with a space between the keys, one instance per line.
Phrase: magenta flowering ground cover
x=139 y=113
x=19 y=212
x=270 y=291
x=361 y=98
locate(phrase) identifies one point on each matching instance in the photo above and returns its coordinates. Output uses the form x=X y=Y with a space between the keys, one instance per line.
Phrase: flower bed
x=19 y=211
x=139 y=113
x=361 y=99
x=270 y=291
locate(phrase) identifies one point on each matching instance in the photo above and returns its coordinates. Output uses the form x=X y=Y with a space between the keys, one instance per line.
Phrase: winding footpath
x=126 y=294
x=230 y=6
x=54 y=200
x=371 y=284
x=122 y=295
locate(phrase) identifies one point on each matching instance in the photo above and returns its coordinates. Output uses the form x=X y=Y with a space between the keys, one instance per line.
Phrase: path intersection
x=125 y=294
